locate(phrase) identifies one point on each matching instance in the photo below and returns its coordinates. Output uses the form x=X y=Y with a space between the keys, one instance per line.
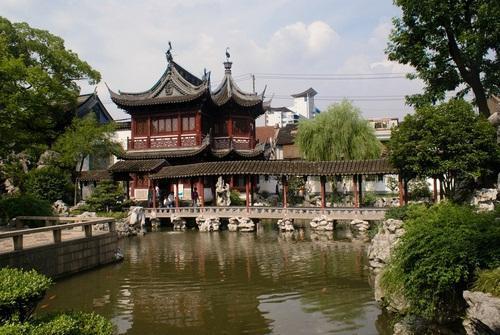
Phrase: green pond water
x=230 y=283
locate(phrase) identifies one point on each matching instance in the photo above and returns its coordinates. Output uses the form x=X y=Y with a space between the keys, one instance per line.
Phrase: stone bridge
x=306 y=213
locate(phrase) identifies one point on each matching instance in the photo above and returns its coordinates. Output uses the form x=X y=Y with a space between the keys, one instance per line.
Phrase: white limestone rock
x=208 y=223
x=60 y=208
x=360 y=225
x=322 y=223
x=383 y=242
x=483 y=313
x=246 y=224
x=233 y=224
x=87 y=215
x=285 y=224
x=178 y=222
x=485 y=199
x=136 y=216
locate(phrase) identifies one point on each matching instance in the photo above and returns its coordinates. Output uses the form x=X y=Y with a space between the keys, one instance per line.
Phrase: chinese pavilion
x=180 y=120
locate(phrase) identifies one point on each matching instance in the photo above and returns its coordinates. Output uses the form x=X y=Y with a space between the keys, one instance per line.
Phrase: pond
x=230 y=283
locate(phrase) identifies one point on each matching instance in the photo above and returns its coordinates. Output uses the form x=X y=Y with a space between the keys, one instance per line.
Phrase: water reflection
x=231 y=283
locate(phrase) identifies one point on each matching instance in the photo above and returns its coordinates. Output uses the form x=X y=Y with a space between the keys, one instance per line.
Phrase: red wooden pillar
x=252 y=188
x=247 y=191
x=322 y=180
x=154 y=193
x=355 y=190
x=201 y=191
x=214 y=193
x=401 y=191
x=360 y=186
x=231 y=181
x=177 y=193
x=285 y=190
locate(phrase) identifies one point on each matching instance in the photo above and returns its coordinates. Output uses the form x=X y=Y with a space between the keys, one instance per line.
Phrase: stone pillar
x=285 y=190
x=355 y=190
x=322 y=180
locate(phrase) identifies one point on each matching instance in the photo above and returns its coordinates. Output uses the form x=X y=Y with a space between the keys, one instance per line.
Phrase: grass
x=488 y=281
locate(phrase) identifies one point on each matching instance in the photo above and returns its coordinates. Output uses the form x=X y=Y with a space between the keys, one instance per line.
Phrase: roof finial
x=227 y=63
x=169 y=52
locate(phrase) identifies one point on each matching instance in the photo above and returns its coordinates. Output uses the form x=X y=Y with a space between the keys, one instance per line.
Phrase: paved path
x=45 y=238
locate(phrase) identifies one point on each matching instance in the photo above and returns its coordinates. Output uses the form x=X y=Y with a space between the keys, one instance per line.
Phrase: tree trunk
x=469 y=72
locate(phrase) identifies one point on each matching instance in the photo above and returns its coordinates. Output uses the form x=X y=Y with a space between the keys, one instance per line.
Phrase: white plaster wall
x=268 y=185
x=121 y=136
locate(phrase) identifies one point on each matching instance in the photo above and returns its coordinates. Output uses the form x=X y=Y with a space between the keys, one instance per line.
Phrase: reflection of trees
x=195 y=282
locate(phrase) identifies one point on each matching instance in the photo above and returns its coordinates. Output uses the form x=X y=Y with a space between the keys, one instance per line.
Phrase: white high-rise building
x=303 y=107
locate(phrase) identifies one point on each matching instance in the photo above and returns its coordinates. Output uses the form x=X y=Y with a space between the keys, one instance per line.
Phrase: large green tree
x=448 y=142
x=453 y=45
x=339 y=133
x=84 y=137
x=38 y=88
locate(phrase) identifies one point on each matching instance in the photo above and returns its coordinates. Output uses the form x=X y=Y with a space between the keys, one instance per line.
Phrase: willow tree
x=340 y=133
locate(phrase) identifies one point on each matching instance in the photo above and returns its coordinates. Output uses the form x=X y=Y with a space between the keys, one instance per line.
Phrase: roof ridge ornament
x=169 y=52
x=228 y=63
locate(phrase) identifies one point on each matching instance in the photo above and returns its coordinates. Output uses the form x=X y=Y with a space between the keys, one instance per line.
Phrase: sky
x=289 y=45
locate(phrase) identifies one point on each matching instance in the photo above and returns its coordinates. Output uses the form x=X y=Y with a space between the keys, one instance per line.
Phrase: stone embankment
x=379 y=254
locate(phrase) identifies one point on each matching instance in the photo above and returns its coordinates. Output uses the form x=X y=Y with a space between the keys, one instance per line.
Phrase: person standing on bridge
x=195 y=197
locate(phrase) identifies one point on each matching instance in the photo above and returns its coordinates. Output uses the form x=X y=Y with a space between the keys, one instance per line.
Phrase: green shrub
x=488 y=281
x=20 y=292
x=369 y=199
x=18 y=205
x=107 y=196
x=438 y=255
x=235 y=198
x=72 y=323
x=49 y=183
x=405 y=212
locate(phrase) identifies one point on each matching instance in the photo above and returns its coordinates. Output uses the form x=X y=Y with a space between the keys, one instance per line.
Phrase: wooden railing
x=56 y=229
x=164 y=141
x=337 y=213
x=236 y=142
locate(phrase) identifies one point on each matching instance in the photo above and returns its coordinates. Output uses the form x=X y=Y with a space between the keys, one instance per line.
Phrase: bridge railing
x=85 y=223
x=270 y=212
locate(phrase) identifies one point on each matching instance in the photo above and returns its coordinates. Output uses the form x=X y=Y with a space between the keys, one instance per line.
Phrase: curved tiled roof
x=228 y=90
x=143 y=165
x=290 y=168
x=175 y=85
